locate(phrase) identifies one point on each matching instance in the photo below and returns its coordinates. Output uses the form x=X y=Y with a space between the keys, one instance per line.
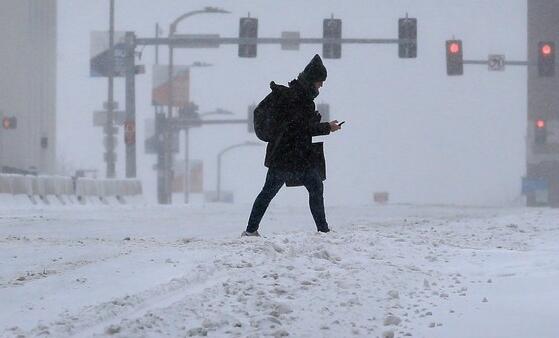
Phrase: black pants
x=275 y=179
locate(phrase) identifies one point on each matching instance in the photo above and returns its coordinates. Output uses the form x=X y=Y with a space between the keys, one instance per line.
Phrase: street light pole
x=168 y=133
x=220 y=155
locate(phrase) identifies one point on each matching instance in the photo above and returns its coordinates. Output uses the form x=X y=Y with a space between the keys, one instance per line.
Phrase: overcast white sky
x=411 y=130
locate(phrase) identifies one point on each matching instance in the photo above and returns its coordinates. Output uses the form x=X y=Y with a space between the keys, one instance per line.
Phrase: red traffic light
x=454 y=48
x=9 y=122
x=547 y=49
x=540 y=124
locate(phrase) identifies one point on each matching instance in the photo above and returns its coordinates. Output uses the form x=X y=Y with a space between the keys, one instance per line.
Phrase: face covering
x=311 y=91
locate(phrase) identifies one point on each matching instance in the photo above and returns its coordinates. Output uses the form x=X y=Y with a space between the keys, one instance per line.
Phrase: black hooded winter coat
x=298 y=122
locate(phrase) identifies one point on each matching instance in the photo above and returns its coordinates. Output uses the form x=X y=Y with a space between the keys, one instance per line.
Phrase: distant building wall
x=28 y=83
x=543 y=102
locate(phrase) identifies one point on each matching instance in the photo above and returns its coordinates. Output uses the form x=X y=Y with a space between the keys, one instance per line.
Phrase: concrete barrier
x=5 y=184
x=65 y=189
x=62 y=190
x=22 y=185
x=6 y=197
x=16 y=190
x=87 y=191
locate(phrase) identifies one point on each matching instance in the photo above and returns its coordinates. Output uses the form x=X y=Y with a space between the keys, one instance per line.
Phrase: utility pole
x=168 y=153
x=541 y=184
x=110 y=155
x=161 y=139
x=130 y=122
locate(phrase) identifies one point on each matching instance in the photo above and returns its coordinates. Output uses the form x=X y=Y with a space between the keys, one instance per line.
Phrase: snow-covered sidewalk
x=392 y=271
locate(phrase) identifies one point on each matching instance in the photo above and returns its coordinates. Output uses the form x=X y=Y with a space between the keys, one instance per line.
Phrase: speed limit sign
x=496 y=63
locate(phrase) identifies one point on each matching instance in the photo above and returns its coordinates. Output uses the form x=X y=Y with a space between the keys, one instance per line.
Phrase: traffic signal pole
x=110 y=155
x=541 y=184
x=130 y=122
x=168 y=154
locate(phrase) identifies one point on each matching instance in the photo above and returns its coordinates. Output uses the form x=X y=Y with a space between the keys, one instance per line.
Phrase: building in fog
x=542 y=180
x=28 y=85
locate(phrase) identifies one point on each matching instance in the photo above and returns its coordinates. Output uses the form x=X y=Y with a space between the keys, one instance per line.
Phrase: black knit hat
x=315 y=70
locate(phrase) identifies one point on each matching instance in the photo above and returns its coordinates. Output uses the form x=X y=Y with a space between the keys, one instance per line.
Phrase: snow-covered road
x=393 y=271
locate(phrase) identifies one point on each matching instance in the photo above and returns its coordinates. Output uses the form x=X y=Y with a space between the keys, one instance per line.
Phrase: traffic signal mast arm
x=181 y=123
x=545 y=61
x=188 y=41
x=508 y=63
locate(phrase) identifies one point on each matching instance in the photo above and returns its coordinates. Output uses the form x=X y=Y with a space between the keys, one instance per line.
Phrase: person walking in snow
x=290 y=153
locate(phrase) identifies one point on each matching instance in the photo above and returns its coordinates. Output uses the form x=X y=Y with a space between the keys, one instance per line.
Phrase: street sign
x=161 y=88
x=99 y=63
x=290 y=40
x=496 y=63
x=100 y=118
x=530 y=184
x=198 y=40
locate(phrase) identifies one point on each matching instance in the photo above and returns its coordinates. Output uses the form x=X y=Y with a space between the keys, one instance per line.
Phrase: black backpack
x=267 y=113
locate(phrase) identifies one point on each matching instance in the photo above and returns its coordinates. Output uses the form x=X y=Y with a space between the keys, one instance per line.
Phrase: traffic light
x=540 y=133
x=454 y=57
x=407 y=30
x=248 y=28
x=546 y=58
x=9 y=122
x=332 y=29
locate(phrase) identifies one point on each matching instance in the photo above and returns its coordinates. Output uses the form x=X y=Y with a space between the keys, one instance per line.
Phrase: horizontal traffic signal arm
x=187 y=41
x=455 y=59
x=178 y=123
